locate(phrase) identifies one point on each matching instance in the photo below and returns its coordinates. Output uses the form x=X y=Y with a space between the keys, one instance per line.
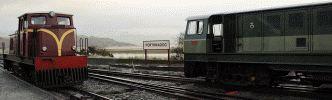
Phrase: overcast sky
x=131 y=21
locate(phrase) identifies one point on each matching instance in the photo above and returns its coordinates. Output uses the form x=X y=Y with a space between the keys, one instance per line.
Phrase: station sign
x=156 y=45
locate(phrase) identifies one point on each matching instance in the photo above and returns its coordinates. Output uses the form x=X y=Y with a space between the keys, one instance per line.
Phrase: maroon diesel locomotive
x=43 y=51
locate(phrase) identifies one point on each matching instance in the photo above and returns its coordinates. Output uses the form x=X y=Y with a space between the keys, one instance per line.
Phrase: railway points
x=283 y=90
x=169 y=90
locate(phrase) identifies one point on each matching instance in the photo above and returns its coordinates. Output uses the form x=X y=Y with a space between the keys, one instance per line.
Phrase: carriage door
x=274 y=39
x=21 y=36
x=251 y=33
x=217 y=43
x=322 y=29
x=296 y=27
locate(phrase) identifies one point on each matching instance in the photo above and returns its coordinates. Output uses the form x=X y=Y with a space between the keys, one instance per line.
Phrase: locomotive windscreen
x=41 y=20
x=63 y=21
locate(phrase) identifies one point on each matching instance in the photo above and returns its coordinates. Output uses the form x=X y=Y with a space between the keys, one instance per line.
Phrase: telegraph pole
x=3 y=47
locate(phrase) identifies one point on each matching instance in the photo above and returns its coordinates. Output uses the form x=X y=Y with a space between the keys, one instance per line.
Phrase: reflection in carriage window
x=200 y=27
x=218 y=29
x=63 y=21
x=38 y=20
x=324 y=18
x=25 y=23
x=192 y=27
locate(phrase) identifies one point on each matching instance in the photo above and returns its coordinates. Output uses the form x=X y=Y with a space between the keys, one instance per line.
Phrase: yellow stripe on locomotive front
x=58 y=41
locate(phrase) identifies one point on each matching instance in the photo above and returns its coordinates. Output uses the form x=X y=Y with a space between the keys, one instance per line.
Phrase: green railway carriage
x=260 y=47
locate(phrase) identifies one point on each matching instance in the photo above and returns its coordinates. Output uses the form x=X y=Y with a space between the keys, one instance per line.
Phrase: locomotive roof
x=44 y=12
x=260 y=10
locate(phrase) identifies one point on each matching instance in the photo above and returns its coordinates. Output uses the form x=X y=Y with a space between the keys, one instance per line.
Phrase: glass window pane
x=218 y=29
x=301 y=42
x=200 y=27
x=324 y=18
x=38 y=20
x=296 y=20
x=63 y=21
x=192 y=27
x=274 y=21
x=25 y=24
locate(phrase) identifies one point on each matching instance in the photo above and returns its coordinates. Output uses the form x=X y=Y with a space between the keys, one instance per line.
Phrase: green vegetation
x=95 y=51
x=179 y=48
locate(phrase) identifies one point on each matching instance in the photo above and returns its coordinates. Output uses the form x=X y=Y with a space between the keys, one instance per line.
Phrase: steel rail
x=175 y=69
x=296 y=90
x=140 y=75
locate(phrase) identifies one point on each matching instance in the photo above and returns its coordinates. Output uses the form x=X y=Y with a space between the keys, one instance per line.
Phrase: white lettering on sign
x=162 y=44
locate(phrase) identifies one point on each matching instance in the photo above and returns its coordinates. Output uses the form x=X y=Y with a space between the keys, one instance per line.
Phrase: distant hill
x=93 y=41
x=103 y=42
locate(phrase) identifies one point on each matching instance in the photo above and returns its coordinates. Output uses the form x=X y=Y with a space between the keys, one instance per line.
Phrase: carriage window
x=296 y=20
x=200 y=27
x=217 y=29
x=63 y=20
x=195 y=27
x=38 y=20
x=25 y=24
x=274 y=21
x=324 y=18
x=300 y=42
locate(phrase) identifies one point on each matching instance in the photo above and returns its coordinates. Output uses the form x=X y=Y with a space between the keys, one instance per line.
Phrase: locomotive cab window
x=195 y=27
x=40 y=20
x=63 y=20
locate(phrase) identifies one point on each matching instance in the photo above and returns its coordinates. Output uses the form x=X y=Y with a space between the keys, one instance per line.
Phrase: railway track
x=147 y=76
x=174 y=91
x=298 y=90
x=175 y=69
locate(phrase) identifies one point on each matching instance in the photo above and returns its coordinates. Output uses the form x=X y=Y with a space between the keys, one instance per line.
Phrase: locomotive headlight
x=44 y=49
x=52 y=13
x=73 y=47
